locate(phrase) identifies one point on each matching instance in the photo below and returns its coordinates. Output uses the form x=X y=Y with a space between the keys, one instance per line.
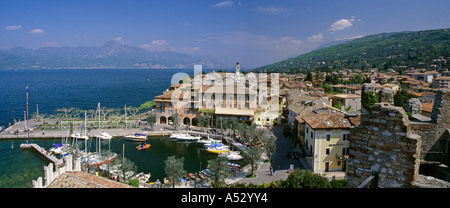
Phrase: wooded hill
x=418 y=49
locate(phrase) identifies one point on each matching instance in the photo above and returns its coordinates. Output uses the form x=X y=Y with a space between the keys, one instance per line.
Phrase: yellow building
x=325 y=135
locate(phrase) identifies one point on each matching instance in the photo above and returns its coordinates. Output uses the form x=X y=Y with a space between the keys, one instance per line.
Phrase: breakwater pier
x=42 y=152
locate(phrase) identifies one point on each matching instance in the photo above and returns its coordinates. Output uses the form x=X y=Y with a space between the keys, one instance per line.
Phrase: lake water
x=53 y=89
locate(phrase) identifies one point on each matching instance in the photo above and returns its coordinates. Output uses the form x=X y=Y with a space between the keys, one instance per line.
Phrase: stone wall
x=435 y=139
x=383 y=144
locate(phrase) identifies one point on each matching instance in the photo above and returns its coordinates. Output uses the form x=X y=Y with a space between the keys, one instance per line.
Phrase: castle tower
x=238 y=69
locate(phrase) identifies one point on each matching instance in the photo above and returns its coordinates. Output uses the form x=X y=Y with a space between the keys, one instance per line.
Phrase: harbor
x=148 y=161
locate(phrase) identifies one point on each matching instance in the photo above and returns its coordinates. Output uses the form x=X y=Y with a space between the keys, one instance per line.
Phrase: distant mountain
x=111 y=54
x=418 y=49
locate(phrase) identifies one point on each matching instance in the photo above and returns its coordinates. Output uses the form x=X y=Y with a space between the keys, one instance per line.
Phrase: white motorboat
x=79 y=136
x=104 y=136
x=137 y=137
x=234 y=155
x=184 y=137
x=174 y=136
x=206 y=141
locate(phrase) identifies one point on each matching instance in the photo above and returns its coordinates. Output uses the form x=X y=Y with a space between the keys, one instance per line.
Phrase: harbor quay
x=17 y=131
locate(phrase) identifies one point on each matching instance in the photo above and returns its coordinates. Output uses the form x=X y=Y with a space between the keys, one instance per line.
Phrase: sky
x=253 y=32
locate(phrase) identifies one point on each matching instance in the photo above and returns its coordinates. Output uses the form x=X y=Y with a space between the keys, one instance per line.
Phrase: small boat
x=214 y=143
x=104 y=136
x=174 y=136
x=193 y=176
x=144 y=178
x=234 y=155
x=183 y=179
x=57 y=149
x=201 y=176
x=234 y=165
x=143 y=146
x=184 y=137
x=64 y=154
x=137 y=137
x=208 y=141
x=209 y=172
x=79 y=136
x=218 y=149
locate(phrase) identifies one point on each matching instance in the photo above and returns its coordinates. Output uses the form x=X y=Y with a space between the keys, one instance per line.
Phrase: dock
x=40 y=150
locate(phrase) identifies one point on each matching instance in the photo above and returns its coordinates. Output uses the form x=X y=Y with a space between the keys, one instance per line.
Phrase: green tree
x=368 y=99
x=220 y=169
x=251 y=157
x=176 y=120
x=301 y=178
x=147 y=105
x=270 y=146
x=402 y=97
x=126 y=167
x=328 y=89
x=309 y=77
x=151 y=120
x=174 y=168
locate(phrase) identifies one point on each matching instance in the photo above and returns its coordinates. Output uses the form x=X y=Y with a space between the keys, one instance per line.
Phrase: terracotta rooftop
x=326 y=120
x=427 y=107
x=79 y=179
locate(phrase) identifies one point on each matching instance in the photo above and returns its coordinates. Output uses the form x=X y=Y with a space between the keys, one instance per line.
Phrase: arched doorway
x=162 y=120
x=186 y=121
x=194 y=122
x=170 y=120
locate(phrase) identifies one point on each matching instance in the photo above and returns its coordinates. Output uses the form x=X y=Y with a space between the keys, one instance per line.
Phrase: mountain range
x=418 y=49
x=111 y=54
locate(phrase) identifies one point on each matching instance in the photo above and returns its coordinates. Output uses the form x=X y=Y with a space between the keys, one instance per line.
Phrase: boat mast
x=99 y=132
x=126 y=124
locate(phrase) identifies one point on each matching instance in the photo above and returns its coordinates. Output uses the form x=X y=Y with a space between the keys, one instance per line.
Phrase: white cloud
x=118 y=38
x=316 y=38
x=159 y=42
x=13 y=27
x=223 y=4
x=155 y=45
x=342 y=24
x=36 y=31
x=273 y=10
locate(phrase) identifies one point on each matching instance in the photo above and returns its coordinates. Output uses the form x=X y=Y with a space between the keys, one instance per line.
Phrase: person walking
x=271 y=170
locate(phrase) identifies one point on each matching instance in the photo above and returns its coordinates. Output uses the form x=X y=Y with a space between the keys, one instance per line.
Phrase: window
x=328 y=138
x=186 y=111
x=345 y=151
x=345 y=137
x=327 y=151
x=312 y=136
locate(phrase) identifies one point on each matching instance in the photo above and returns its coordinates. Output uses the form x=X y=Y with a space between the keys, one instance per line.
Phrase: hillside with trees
x=419 y=49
